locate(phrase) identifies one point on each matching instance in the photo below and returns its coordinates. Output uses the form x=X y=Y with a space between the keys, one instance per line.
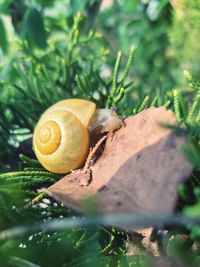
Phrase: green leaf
x=192 y=211
x=192 y=152
x=33 y=28
x=4 y=5
x=78 y=5
x=161 y=5
x=3 y=37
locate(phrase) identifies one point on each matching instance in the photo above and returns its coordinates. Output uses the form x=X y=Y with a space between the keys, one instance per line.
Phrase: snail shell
x=61 y=137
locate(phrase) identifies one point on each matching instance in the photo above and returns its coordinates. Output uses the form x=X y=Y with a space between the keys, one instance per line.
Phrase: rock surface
x=139 y=170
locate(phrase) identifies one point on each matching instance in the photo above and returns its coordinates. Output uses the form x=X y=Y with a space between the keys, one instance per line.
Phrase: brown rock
x=139 y=170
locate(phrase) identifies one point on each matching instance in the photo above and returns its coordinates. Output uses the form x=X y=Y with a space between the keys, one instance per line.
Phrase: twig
x=92 y=153
x=37 y=199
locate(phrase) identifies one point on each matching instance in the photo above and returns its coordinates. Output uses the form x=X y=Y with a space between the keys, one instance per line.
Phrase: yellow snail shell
x=61 y=137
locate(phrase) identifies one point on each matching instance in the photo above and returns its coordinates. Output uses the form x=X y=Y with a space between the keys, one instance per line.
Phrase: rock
x=139 y=170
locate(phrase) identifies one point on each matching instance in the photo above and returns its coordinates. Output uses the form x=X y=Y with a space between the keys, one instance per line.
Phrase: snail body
x=62 y=135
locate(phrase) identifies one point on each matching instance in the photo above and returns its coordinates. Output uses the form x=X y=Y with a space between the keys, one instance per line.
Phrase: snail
x=61 y=138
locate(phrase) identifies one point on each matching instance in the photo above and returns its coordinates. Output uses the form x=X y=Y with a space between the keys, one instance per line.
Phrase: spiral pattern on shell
x=49 y=137
x=61 y=137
